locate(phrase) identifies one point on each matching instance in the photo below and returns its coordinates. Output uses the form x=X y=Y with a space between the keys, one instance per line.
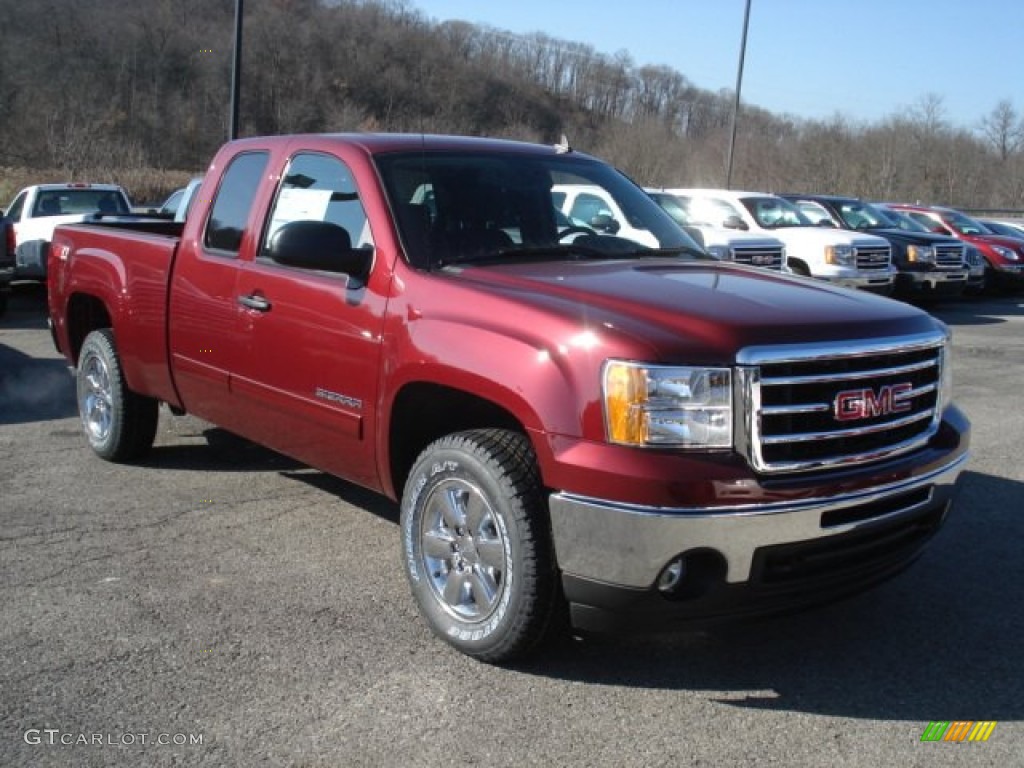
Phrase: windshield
x=673 y=206
x=465 y=207
x=62 y=202
x=965 y=225
x=775 y=213
x=857 y=215
x=1004 y=229
x=906 y=223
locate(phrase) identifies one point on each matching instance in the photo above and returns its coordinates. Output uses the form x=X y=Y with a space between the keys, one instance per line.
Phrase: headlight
x=1007 y=253
x=921 y=253
x=839 y=254
x=653 y=405
x=720 y=252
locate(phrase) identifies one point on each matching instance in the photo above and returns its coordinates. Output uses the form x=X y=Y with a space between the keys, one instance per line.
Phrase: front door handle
x=252 y=301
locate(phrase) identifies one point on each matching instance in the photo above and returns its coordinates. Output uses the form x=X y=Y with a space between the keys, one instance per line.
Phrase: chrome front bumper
x=629 y=546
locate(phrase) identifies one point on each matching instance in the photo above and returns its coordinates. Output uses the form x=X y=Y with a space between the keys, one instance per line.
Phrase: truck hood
x=895 y=234
x=722 y=236
x=806 y=237
x=697 y=311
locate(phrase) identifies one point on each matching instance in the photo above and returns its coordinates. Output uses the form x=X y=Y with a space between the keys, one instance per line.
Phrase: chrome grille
x=810 y=407
x=759 y=256
x=950 y=256
x=871 y=258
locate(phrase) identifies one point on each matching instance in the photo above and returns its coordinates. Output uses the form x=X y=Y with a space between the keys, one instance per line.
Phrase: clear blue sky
x=865 y=59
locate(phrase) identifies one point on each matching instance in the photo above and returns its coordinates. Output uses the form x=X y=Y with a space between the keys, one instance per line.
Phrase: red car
x=1003 y=255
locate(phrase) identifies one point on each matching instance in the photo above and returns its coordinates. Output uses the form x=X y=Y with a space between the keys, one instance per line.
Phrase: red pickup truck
x=573 y=422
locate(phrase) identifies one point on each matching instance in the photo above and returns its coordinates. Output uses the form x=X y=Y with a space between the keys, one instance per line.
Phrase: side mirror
x=697 y=234
x=734 y=222
x=605 y=223
x=824 y=223
x=938 y=229
x=319 y=245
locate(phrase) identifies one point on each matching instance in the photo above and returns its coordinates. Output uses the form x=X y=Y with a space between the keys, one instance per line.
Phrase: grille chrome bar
x=849 y=376
x=842 y=433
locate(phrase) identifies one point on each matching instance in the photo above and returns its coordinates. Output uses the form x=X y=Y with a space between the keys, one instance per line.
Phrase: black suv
x=929 y=265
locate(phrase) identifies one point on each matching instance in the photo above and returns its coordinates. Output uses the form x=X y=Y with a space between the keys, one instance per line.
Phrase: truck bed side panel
x=127 y=272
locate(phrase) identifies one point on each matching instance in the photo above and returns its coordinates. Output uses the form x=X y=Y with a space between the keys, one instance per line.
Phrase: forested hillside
x=127 y=89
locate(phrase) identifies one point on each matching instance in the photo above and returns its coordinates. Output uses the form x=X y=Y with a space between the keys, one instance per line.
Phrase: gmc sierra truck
x=929 y=265
x=727 y=244
x=37 y=210
x=574 y=423
x=1004 y=256
x=851 y=259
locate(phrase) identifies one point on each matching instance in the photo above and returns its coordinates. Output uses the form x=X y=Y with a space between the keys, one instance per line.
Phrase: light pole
x=236 y=72
x=736 y=103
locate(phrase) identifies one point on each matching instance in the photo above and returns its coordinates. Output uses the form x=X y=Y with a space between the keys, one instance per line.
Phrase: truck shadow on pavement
x=33 y=389
x=941 y=641
x=210 y=448
x=217 y=450
x=27 y=308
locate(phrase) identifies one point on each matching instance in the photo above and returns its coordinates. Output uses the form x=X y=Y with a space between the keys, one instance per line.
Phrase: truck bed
x=136 y=254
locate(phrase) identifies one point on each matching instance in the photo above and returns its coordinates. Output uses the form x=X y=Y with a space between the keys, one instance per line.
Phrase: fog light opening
x=692 y=574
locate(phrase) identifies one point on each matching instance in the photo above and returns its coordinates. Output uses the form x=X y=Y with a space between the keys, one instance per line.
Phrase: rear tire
x=477 y=545
x=119 y=424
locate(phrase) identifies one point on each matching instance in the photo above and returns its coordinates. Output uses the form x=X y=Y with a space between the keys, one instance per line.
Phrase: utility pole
x=736 y=103
x=236 y=72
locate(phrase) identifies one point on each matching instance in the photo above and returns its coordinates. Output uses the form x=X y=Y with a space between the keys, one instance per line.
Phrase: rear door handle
x=252 y=301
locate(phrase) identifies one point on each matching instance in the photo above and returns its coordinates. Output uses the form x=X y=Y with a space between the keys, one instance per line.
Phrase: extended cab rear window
x=234 y=200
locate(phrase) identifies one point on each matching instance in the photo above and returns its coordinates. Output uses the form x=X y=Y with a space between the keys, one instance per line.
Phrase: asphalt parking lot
x=220 y=605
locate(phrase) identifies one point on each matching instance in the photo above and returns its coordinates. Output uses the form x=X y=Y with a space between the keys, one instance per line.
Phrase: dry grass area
x=144 y=185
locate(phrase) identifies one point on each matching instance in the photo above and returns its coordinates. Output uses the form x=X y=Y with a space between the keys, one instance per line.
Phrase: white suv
x=851 y=259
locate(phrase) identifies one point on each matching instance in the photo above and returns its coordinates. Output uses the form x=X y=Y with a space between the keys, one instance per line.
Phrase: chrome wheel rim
x=95 y=400
x=463 y=550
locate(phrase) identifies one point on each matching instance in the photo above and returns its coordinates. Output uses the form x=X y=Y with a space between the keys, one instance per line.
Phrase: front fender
x=549 y=386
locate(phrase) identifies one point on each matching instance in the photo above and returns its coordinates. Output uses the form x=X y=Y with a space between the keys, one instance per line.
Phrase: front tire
x=477 y=545
x=119 y=424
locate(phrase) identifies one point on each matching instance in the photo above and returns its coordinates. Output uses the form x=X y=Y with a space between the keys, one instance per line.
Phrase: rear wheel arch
x=85 y=313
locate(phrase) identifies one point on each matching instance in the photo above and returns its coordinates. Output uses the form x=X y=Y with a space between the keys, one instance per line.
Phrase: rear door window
x=234 y=200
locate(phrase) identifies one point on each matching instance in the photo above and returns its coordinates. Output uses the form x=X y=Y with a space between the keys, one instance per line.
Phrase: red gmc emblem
x=854 y=404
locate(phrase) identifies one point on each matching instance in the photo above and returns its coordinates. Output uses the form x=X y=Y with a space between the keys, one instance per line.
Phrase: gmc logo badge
x=854 y=404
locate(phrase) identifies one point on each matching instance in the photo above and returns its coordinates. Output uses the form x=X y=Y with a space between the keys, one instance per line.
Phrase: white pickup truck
x=726 y=244
x=590 y=206
x=850 y=259
x=37 y=210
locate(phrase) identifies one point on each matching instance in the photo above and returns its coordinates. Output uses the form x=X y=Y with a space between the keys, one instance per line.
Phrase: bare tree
x=1003 y=129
